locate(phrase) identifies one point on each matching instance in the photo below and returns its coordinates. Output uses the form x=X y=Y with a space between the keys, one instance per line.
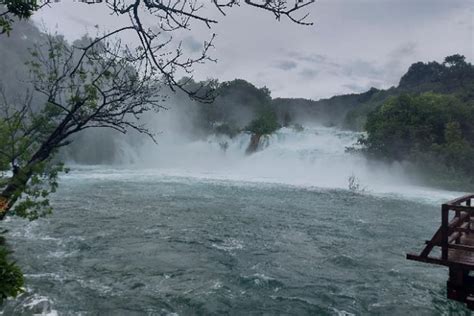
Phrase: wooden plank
x=461 y=199
x=462 y=229
x=458 y=220
x=468 y=209
x=453 y=237
x=427 y=259
x=457 y=259
x=457 y=256
x=435 y=241
x=444 y=231
x=462 y=247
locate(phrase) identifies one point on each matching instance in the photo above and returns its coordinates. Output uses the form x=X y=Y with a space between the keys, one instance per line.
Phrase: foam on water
x=138 y=241
x=30 y=304
x=313 y=158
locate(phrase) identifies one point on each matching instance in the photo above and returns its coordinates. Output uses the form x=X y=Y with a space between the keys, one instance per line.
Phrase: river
x=198 y=228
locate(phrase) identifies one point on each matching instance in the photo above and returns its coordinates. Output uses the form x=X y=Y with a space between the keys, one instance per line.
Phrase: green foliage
x=265 y=124
x=33 y=197
x=21 y=135
x=20 y=9
x=246 y=92
x=11 y=278
x=73 y=92
x=236 y=104
x=436 y=132
x=455 y=61
x=5 y=25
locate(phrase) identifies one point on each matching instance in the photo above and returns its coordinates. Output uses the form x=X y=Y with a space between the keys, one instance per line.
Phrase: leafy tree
x=265 y=124
x=95 y=84
x=436 y=132
x=11 y=278
x=98 y=85
x=76 y=90
x=455 y=61
x=237 y=102
x=16 y=8
x=80 y=90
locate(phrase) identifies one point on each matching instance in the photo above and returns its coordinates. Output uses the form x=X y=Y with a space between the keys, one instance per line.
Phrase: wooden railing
x=456 y=239
x=455 y=228
x=452 y=230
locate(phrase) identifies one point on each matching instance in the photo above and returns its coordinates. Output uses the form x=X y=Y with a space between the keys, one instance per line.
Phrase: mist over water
x=313 y=157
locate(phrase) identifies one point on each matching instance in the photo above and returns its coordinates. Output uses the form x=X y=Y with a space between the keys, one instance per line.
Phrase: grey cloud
x=361 y=68
x=353 y=68
x=352 y=43
x=312 y=58
x=360 y=88
x=354 y=87
x=404 y=50
x=391 y=12
x=398 y=59
x=192 y=44
x=309 y=73
x=315 y=59
x=286 y=65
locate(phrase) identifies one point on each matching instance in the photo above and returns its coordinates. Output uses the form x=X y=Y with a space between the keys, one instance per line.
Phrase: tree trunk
x=254 y=142
x=17 y=183
x=21 y=176
x=12 y=191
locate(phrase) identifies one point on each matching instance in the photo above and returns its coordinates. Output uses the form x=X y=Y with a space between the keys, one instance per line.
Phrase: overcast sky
x=353 y=45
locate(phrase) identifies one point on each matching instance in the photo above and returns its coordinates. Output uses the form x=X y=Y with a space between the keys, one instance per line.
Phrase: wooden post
x=468 y=203
x=457 y=285
x=458 y=215
x=444 y=231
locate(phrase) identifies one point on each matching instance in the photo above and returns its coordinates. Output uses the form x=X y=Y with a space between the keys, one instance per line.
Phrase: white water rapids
x=313 y=158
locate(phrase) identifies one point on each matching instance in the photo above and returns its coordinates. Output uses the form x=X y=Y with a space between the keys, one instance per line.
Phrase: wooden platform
x=456 y=256
x=455 y=239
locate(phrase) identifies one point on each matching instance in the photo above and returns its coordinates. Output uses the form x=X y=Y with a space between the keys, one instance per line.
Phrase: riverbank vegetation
x=11 y=278
x=265 y=124
x=434 y=132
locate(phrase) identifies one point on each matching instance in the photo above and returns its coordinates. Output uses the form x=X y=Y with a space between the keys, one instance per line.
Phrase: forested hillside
x=434 y=131
x=454 y=76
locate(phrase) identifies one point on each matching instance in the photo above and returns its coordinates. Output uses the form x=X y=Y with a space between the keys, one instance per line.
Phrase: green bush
x=265 y=124
x=11 y=278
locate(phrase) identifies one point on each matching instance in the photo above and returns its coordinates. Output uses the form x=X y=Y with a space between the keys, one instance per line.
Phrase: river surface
x=188 y=239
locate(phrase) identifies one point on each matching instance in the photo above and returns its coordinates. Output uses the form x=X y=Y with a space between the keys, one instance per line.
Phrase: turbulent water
x=197 y=227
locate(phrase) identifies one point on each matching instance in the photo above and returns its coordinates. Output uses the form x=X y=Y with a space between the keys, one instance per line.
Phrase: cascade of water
x=315 y=156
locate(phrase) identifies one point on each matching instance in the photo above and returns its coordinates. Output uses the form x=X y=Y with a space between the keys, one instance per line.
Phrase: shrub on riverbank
x=432 y=131
x=11 y=278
